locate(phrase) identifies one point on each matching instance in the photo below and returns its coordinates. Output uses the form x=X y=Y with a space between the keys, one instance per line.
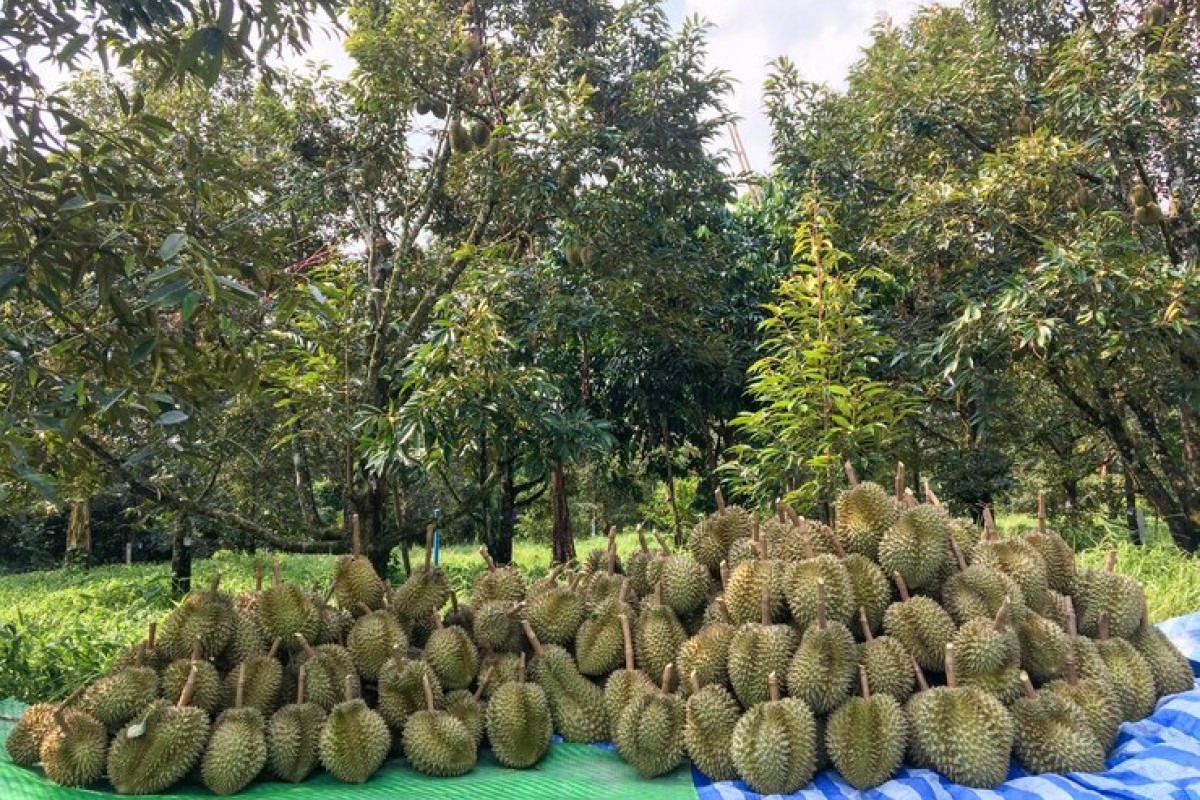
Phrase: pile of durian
x=770 y=650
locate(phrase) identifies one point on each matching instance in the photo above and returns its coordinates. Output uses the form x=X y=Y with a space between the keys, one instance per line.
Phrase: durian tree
x=1023 y=172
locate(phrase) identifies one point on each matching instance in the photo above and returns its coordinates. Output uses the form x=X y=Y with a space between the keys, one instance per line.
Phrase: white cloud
x=822 y=38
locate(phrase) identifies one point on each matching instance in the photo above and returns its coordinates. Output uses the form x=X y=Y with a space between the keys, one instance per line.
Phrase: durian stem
x=573 y=583
x=762 y=548
x=720 y=500
x=611 y=553
x=658 y=594
x=920 y=673
x=428 y=693
x=628 y=636
x=151 y=633
x=901 y=586
x=197 y=649
x=623 y=592
x=71 y=698
x=838 y=550
x=301 y=676
x=1027 y=685
x=397 y=658
x=773 y=687
x=851 y=475
x=1002 y=614
x=454 y=601
x=900 y=480
x=721 y=604
x=275 y=645
x=483 y=681
x=1102 y=627
x=428 y=547
x=806 y=540
x=355 y=536
x=487 y=559
x=957 y=551
x=1110 y=561
x=779 y=512
x=366 y=609
x=951 y=670
x=215 y=586
x=662 y=543
x=259 y=569
x=929 y=495
x=521 y=671
x=1041 y=510
x=668 y=673
x=1069 y=616
x=864 y=682
x=694 y=680
x=989 y=524
x=820 y=604
x=910 y=499
x=276 y=572
x=866 y=626
x=437 y=620
x=517 y=609
x=240 y=693
x=792 y=514
x=766 y=603
x=305 y=646
x=724 y=576
x=641 y=537
x=189 y=688
x=538 y=650
x=755 y=529
x=1071 y=666
x=349 y=688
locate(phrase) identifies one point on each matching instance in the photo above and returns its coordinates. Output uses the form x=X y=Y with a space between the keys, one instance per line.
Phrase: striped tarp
x=1157 y=758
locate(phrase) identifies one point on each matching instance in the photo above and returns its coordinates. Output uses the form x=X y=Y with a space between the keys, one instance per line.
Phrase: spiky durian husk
x=119 y=696
x=263 y=685
x=685 y=583
x=205 y=615
x=463 y=706
x=1021 y=562
x=439 y=744
x=372 y=641
x=248 y=639
x=170 y=743
x=824 y=667
x=1132 y=679
x=978 y=592
x=916 y=546
x=989 y=659
x=293 y=740
x=636 y=574
x=774 y=746
x=1098 y=701
x=599 y=644
x=866 y=740
x=711 y=539
x=401 y=690
x=709 y=719
x=864 y=514
x=657 y=637
x=649 y=733
x=503 y=584
x=576 y=704
x=453 y=657
x=1171 y=670
x=556 y=615
x=755 y=652
x=354 y=742
x=1042 y=646
x=889 y=667
x=74 y=752
x=208 y=695
x=26 y=736
x=519 y=725
x=706 y=654
x=965 y=733
x=356 y=584
x=872 y=590
x=800 y=588
x=287 y=610
x=414 y=603
x=1053 y=734
x=496 y=628
x=743 y=595
x=923 y=628
x=1119 y=596
x=1059 y=558
x=236 y=752
x=620 y=689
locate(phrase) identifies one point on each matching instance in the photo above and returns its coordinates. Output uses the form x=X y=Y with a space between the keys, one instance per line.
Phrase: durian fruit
x=25 y=738
x=371 y=641
x=462 y=615
x=1056 y=553
x=1053 y=734
x=1132 y=679
x=497 y=583
x=603 y=579
x=519 y=725
x=757 y=651
x=1042 y=646
x=961 y=731
x=438 y=743
x=710 y=715
x=706 y=655
x=208 y=693
x=556 y=613
x=426 y=591
x=964 y=533
x=822 y=670
x=743 y=592
x=977 y=591
x=355 y=740
x=451 y=654
x=263 y=681
x=635 y=569
x=685 y=581
x=401 y=689
x=466 y=707
x=716 y=533
x=782 y=538
x=1119 y=597
x=498 y=627
x=888 y=664
x=916 y=546
x=74 y=749
x=460 y=137
x=237 y=749
x=865 y=512
x=989 y=656
x=658 y=634
x=872 y=589
x=801 y=580
x=866 y=737
x=921 y=625
x=1094 y=697
x=287 y=610
x=622 y=685
x=576 y=704
x=649 y=734
x=774 y=744
x=294 y=736
x=147 y=653
x=328 y=668
x=1170 y=668
x=355 y=582
x=248 y=639
x=120 y=695
x=160 y=747
x=598 y=644
x=207 y=615
x=1019 y=560
x=1086 y=655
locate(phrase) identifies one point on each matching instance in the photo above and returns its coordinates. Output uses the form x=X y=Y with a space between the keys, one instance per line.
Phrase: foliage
x=817 y=402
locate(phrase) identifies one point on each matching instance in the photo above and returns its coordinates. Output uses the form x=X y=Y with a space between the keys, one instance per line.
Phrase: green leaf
x=171 y=246
x=143 y=350
x=175 y=417
x=191 y=302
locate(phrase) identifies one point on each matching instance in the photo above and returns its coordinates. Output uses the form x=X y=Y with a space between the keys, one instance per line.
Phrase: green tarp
x=570 y=771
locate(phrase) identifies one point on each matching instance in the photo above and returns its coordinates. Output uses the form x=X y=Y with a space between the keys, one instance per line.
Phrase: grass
x=61 y=628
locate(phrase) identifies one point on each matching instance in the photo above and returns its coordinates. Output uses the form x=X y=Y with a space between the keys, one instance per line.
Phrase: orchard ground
x=60 y=629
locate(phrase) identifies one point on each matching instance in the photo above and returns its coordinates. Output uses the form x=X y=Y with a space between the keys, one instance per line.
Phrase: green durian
x=329 y=666
x=715 y=534
x=1096 y=698
x=355 y=582
x=649 y=733
x=710 y=716
x=371 y=641
x=462 y=615
x=989 y=656
x=637 y=567
x=466 y=708
x=822 y=670
x=481 y=133
x=1053 y=734
x=248 y=640
x=1102 y=591
x=921 y=625
x=758 y=650
x=866 y=737
x=685 y=583
x=888 y=664
x=460 y=138
x=438 y=743
x=774 y=744
x=401 y=689
x=287 y=610
x=598 y=644
x=426 y=591
x=237 y=749
x=1056 y=553
x=1132 y=679
x=355 y=740
x=865 y=512
x=73 y=747
x=1083 y=650
x=576 y=704
x=263 y=684
x=119 y=696
x=706 y=655
x=497 y=626
x=800 y=585
x=452 y=656
x=872 y=589
x=208 y=694
x=916 y=546
x=497 y=583
x=978 y=591
x=1170 y=668
x=25 y=738
x=744 y=588
x=658 y=635
x=1042 y=646
x=294 y=736
x=519 y=724
x=622 y=685
x=556 y=614
x=206 y=615
x=1019 y=560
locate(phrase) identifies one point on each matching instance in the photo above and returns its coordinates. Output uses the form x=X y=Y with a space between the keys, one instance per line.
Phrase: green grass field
x=61 y=628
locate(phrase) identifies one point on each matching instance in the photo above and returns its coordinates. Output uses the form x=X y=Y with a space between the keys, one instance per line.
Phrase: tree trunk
x=500 y=545
x=564 y=542
x=485 y=493
x=369 y=504
x=304 y=486
x=181 y=557
x=79 y=534
x=1071 y=490
x=1131 y=506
